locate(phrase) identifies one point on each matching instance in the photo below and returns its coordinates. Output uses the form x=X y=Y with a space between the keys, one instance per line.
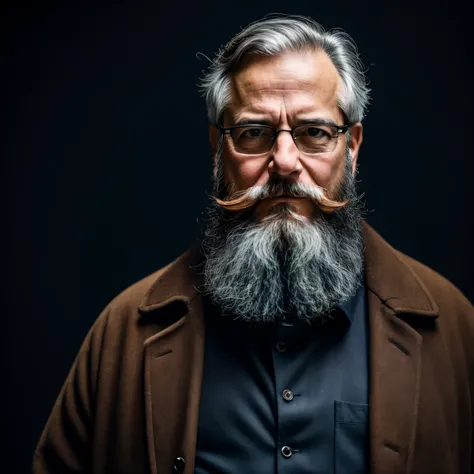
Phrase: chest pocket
x=350 y=437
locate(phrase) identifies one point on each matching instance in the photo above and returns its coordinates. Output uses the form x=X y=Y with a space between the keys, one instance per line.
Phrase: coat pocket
x=350 y=437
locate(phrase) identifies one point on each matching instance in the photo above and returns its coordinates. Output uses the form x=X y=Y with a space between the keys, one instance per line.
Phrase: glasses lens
x=316 y=138
x=252 y=139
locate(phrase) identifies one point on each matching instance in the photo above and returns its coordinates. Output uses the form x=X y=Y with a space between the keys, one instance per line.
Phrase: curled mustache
x=242 y=200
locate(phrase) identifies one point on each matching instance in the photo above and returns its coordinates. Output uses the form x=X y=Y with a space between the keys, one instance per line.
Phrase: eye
x=314 y=132
x=252 y=133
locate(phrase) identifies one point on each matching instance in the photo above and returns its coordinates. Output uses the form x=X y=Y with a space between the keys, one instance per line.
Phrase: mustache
x=243 y=200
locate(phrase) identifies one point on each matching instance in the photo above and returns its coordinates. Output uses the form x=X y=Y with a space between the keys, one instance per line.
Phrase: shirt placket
x=284 y=353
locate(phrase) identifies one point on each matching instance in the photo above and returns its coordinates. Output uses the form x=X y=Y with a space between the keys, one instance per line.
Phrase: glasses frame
x=228 y=131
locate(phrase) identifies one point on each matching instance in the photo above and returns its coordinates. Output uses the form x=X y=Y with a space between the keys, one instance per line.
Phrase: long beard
x=284 y=265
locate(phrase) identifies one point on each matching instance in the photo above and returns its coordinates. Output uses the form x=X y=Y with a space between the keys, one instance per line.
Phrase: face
x=284 y=91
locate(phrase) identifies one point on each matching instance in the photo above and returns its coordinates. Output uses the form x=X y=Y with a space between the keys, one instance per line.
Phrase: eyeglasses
x=255 y=139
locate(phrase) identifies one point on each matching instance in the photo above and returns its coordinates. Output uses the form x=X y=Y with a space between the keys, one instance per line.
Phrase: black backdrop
x=108 y=166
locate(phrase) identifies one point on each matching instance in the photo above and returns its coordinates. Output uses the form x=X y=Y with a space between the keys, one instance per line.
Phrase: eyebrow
x=258 y=121
x=261 y=121
x=316 y=121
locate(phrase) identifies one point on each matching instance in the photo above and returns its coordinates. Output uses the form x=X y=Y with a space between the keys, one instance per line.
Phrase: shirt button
x=280 y=346
x=287 y=395
x=286 y=451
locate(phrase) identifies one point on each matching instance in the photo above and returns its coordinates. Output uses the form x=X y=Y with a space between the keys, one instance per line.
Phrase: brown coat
x=130 y=403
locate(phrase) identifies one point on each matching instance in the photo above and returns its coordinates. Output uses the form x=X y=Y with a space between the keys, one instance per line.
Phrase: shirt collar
x=349 y=307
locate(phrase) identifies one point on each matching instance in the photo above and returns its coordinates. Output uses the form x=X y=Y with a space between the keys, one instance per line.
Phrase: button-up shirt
x=291 y=397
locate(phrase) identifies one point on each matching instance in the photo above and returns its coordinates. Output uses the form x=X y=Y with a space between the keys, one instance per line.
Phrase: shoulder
x=118 y=324
x=174 y=282
x=445 y=294
x=449 y=340
x=134 y=316
x=455 y=321
x=407 y=283
x=130 y=299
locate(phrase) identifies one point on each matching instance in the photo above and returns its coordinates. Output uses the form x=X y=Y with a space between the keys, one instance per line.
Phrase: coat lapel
x=395 y=382
x=173 y=362
x=396 y=301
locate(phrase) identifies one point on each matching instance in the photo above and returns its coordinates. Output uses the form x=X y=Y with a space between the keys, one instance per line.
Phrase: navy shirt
x=285 y=398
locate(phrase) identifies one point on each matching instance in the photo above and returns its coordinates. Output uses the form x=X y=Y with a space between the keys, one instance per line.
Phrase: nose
x=285 y=156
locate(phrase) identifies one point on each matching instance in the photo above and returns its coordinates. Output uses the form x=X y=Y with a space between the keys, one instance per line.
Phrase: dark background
x=108 y=167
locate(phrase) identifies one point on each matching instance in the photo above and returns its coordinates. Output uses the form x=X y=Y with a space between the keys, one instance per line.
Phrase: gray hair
x=274 y=35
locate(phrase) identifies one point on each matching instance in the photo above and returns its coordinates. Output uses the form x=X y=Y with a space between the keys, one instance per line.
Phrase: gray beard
x=259 y=272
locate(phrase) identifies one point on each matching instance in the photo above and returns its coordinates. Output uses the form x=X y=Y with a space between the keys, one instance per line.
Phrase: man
x=292 y=338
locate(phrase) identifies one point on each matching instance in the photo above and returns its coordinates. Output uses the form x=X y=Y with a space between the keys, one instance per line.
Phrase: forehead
x=293 y=83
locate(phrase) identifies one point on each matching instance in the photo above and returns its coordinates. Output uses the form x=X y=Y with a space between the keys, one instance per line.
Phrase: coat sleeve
x=65 y=446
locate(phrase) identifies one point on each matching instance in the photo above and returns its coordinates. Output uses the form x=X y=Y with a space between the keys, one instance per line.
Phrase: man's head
x=285 y=100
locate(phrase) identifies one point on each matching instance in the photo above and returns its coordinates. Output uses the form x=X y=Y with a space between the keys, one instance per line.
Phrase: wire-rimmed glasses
x=312 y=138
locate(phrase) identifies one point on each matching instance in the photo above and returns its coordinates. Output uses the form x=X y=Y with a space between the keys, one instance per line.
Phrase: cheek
x=325 y=170
x=245 y=172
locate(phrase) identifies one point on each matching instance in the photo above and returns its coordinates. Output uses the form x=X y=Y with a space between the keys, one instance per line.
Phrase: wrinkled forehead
x=299 y=82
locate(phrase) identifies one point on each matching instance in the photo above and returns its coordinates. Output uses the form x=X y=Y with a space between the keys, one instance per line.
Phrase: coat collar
x=392 y=280
x=177 y=282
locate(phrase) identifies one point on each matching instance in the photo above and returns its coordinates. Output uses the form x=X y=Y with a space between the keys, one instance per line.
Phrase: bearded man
x=292 y=338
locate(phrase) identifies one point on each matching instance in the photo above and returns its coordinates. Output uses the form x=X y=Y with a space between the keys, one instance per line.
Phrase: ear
x=356 y=141
x=213 y=138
